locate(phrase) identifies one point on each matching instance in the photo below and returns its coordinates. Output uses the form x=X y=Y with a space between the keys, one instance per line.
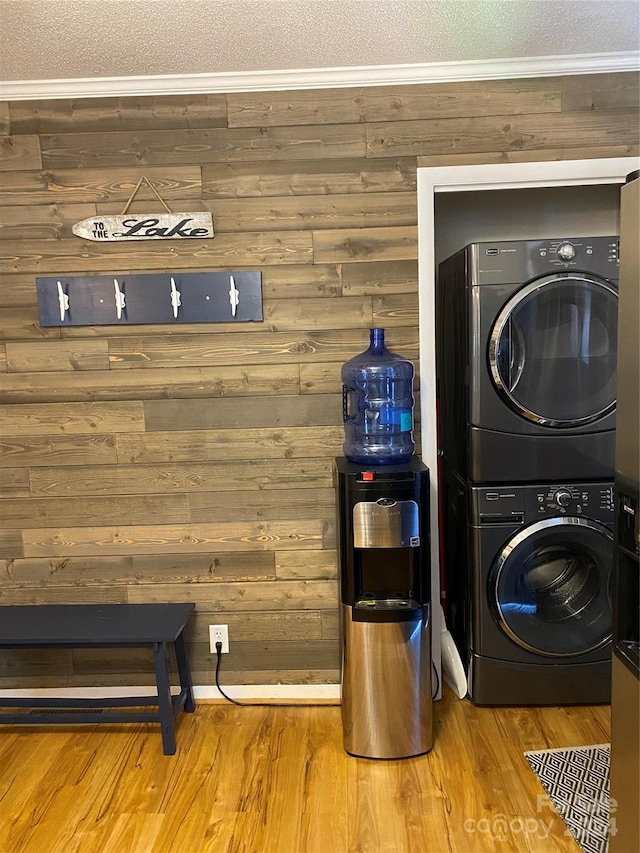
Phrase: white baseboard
x=236 y=691
x=271 y=691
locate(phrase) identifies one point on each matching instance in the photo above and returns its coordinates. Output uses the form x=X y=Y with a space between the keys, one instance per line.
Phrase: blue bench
x=104 y=625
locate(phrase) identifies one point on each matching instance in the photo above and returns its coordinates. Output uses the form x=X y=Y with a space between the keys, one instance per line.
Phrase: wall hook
x=175 y=298
x=63 y=301
x=234 y=296
x=119 y=299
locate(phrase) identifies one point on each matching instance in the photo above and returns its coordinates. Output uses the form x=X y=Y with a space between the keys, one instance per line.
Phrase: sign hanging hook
x=152 y=188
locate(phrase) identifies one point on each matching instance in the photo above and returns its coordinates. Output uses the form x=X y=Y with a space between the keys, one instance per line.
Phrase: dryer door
x=549 y=587
x=552 y=350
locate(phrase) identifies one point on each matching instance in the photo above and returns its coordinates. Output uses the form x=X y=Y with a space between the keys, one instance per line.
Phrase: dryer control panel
x=515 y=261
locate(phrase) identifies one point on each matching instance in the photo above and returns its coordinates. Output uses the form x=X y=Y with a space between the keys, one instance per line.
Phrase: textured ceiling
x=70 y=39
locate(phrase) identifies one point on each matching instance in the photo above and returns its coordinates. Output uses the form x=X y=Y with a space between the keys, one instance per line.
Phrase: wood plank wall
x=194 y=463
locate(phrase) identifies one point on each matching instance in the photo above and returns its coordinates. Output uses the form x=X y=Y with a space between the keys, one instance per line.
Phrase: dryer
x=528 y=590
x=526 y=337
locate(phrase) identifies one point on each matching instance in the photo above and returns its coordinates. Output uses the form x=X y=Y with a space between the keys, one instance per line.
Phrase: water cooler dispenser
x=383 y=523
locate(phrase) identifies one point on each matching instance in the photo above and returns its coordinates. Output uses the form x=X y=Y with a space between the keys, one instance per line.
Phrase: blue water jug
x=377 y=405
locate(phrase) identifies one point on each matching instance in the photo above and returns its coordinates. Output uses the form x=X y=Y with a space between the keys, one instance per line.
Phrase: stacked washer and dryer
x=526 y=384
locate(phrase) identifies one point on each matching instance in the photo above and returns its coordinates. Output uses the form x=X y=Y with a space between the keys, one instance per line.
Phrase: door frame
x=454 y=179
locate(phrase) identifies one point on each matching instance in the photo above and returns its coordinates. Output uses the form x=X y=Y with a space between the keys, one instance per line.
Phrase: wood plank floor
x=277 y=780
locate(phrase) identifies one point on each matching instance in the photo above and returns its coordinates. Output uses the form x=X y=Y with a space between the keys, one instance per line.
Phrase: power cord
x=265 y=704
x=289 y=704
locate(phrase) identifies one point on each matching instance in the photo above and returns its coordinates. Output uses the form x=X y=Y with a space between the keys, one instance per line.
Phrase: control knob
x=566 y=252
x=562 y=498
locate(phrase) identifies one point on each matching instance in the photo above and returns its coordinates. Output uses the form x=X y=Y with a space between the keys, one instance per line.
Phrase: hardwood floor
x=277 y=780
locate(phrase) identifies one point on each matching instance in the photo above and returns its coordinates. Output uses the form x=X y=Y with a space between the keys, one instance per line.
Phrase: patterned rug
x=577 y=782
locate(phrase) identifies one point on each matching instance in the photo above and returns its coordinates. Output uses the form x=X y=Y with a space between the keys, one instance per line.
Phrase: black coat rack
x=220 y=297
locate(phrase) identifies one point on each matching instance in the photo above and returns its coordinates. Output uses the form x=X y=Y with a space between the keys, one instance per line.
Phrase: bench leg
x=165 y=706
x=184 y=672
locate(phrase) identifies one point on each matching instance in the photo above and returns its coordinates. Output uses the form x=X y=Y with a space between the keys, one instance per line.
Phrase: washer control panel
x=591 y=499
x=526 y=504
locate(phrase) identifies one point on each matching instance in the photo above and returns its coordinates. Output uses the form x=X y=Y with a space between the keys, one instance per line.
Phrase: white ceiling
x=71 y=40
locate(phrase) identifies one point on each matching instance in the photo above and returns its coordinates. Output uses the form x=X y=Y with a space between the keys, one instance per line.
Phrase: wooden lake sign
x=145 y=226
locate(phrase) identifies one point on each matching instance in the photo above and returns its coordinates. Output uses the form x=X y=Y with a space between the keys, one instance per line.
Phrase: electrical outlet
x=219 y=634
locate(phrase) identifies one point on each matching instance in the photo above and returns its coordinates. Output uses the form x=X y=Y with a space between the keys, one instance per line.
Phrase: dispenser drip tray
x=388 y=603
x=382 y=609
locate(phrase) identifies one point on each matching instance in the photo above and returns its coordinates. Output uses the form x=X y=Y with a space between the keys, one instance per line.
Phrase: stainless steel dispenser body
x=386 y=686
x=385 y=610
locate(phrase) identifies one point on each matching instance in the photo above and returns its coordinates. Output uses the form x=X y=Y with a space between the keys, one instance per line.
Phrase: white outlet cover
x=219 y=633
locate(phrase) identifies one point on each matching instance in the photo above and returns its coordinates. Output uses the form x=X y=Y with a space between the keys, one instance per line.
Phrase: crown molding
x=320 y=78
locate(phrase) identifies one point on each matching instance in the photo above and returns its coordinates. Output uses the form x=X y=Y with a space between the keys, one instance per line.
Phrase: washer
x=526 y=359
x=528 y=590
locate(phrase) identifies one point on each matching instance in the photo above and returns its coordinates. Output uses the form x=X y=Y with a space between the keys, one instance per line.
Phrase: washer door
x=549 y=587
x=552 y=350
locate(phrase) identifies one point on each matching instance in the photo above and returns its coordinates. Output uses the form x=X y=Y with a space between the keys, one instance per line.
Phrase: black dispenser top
x=383 y=527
